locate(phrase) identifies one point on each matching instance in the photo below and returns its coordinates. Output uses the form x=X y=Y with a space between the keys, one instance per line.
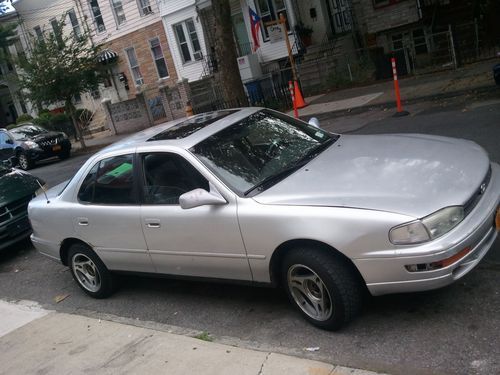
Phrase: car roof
x=188 y=139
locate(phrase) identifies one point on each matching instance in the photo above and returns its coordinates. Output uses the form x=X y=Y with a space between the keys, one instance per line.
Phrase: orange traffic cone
x=299 y=100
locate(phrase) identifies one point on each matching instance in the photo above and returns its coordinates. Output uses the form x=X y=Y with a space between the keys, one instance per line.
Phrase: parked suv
x=30 y=143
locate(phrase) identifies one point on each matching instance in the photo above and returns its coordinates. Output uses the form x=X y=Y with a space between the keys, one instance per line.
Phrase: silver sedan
x=254 y=195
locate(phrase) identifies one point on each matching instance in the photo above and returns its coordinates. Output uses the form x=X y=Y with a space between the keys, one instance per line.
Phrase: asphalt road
x=455 y=330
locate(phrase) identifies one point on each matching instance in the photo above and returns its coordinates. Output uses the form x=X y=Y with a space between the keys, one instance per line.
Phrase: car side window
x=167 y=176
x=109 y=182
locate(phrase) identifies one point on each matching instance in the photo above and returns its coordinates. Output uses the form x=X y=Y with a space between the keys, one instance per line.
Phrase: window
x=419 y=41
x=97 y=16
x=57 y=31
x=77 y=31
x=118 y=11
x=270 y=10
x=187 y=39
x=144 y=7
x=167 y=177
x=134 y=66
x=38 y=32
x=109 y=182
x=161 y=65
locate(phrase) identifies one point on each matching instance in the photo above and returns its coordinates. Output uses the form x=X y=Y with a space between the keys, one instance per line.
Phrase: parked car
x=17 y=188
x=31 y=143
x=257 y=196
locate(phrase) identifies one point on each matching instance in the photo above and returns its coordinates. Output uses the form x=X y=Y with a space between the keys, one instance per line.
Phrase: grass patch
x=205 y=336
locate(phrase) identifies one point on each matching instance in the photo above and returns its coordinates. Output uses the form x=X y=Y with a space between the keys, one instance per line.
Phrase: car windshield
x=27 y=131
x=261 y=150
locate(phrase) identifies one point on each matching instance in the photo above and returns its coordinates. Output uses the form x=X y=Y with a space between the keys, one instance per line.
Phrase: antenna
x=41 y=187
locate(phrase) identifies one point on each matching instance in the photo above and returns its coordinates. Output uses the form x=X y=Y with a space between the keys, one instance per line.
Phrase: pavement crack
x=261 y=371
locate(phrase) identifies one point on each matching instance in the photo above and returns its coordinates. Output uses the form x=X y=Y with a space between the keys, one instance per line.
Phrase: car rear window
x=190 y=126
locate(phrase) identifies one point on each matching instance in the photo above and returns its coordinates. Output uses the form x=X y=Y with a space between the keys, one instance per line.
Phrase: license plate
x=497 y=219
x=56 y=148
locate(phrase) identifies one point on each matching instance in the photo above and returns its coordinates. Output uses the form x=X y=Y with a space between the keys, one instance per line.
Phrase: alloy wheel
x=86 y=272
x=309 y=292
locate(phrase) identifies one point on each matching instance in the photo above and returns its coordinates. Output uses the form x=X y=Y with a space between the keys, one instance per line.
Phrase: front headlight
x=31 y=144
x=428 y=228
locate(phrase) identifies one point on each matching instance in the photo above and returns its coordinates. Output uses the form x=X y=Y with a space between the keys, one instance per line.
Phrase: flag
x=255 y=26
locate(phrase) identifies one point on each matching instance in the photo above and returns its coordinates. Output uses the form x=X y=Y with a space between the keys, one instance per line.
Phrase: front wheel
x=90 y=272
x=25 y=162
x=322 y=286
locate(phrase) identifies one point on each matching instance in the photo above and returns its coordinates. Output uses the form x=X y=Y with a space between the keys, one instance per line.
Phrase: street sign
x=276 y=33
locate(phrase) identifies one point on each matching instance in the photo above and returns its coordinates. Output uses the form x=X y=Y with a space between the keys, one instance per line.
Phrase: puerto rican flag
x=255 y=26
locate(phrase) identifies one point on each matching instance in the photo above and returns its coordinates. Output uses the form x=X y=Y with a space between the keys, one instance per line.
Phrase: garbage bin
x=496 y=74
x=254 y=92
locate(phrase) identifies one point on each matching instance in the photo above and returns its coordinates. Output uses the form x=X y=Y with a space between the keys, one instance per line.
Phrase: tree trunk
x=72 y=114
x=225 y=50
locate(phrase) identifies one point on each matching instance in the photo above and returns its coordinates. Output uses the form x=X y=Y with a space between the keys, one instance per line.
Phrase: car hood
x=43 y=136
x=16 y=185
x=409 y=174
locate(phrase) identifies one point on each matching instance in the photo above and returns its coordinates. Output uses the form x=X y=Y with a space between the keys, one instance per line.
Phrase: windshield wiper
x=275 y=178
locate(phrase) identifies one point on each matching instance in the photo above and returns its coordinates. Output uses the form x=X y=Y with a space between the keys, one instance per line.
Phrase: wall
x=139 y=39
x=320 y=24
x=373 y=20
x=192 y=70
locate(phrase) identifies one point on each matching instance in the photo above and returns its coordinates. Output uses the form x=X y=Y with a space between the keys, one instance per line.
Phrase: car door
x=203 y=241
x=107 y=215
x=6 y=146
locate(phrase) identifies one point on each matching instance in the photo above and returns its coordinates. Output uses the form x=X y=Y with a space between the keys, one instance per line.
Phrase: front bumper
x=14 y=231
x=388 y=274
x=41 y=153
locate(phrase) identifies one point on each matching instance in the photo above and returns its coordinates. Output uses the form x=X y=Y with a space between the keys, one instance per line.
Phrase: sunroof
x=190 y=126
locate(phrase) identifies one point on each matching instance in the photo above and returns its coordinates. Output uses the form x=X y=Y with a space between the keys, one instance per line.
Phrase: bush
x=43 y=120
x=12 y=126
x=24 y=117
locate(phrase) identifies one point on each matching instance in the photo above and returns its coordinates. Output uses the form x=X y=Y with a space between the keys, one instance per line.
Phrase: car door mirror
x=314 y=122
x=9 y=141
x=200 y=197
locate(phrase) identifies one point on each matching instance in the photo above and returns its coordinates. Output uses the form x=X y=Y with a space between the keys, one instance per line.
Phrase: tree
x=7 y=38
x=225 y=51
x=59 y=68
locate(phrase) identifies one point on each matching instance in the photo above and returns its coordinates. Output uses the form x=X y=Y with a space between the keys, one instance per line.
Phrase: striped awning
x=107 y=56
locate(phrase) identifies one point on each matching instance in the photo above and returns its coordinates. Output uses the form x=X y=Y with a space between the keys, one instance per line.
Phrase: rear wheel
x=25 y=162
x=322 y=286
x=90 y=272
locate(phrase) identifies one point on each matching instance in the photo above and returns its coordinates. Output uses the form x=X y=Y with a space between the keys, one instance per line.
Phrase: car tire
x=25 y=162
x=89 y=271
x=322 y=286
x=64 y=155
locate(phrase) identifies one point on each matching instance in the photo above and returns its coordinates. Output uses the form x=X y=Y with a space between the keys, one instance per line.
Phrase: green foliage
x=205 y=336
x=59 y=68
x=43 y=120
x=7 y=38
x=55 y=121
x=12 y=126
x=24 y=118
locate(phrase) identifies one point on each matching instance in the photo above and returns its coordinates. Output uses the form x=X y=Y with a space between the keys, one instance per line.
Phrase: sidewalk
x=34 y=340
x=425 y=87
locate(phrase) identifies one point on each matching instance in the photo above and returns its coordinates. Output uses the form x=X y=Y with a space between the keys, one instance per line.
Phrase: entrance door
x=240 y=34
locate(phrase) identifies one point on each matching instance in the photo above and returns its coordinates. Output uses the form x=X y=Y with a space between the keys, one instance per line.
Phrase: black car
x=30 y=143
x=17 y=188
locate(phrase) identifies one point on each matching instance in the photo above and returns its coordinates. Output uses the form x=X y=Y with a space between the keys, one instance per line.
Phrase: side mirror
x=200 y=197
x=314 y=122
x=9 y=141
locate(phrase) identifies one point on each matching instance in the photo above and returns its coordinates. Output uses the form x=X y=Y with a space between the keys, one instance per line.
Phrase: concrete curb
x=392 y=104
x=52 y=342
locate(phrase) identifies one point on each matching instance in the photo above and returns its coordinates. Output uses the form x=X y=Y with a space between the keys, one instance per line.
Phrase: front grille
x=476 y=197
x=50 y=142
x=14 y=209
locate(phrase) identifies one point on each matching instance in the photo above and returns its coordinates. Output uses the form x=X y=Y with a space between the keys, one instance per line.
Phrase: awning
x=107 y=56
